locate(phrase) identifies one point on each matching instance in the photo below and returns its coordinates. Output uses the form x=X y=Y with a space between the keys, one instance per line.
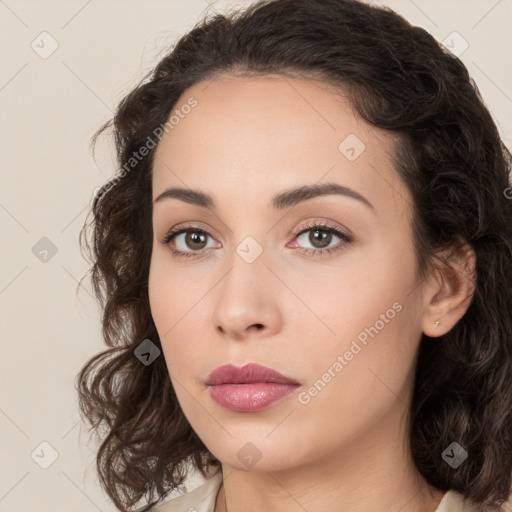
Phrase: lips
x=249 y=374
x=249 y=388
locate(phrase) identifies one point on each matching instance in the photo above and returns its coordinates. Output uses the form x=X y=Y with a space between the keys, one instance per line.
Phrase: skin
x=347 y=448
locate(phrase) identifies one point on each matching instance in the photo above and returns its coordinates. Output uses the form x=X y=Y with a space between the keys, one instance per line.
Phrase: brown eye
x=195 y=240
x=320 y=238
x=189 y=241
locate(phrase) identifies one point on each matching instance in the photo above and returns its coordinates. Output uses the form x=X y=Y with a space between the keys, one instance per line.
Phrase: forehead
x=251 y=136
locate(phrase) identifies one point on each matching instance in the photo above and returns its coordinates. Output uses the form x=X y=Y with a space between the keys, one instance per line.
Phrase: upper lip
x=247 y=374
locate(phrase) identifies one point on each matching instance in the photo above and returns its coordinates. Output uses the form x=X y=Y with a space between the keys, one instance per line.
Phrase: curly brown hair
x=450 y=155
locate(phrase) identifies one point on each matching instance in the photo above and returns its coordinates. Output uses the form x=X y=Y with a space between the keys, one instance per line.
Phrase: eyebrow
x=285 y=199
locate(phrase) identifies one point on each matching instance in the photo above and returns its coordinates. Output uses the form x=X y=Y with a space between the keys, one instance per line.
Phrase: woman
x=304 y=266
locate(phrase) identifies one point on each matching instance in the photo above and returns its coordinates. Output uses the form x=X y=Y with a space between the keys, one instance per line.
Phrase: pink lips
x=249 y=388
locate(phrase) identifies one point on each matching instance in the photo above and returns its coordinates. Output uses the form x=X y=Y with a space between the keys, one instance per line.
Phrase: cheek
x=355 y=381
x=371 y=308
x=166 y=303
x=353 y=292
x=162 y=300
x=175 y=309
x=171 y=292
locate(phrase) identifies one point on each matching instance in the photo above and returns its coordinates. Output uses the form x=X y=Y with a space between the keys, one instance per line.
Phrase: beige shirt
x=202 y=499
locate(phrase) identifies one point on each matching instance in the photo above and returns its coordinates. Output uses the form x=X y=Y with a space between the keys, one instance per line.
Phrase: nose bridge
x=247 y=259
x=246 y=296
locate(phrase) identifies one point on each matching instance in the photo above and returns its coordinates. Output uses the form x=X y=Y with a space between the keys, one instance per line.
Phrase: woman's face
x=319 y=287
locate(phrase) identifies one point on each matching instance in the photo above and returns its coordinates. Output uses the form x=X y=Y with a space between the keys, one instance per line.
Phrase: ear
x=449 y=292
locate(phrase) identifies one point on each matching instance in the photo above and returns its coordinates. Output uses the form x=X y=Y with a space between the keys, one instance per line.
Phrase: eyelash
x=321 y=226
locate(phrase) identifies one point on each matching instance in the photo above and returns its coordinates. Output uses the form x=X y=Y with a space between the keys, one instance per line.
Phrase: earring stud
x=436 y=323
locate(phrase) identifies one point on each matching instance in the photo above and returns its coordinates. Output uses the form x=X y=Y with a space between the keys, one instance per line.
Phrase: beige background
x=50 y=107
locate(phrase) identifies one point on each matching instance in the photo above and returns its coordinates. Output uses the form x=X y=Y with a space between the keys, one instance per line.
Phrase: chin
x=254 y=453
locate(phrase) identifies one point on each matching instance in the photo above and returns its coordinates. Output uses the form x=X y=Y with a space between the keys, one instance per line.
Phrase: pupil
x=323 y=237
x=195 y=237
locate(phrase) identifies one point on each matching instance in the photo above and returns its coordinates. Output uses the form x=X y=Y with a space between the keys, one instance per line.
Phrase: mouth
x=249 y=388
x=249 y=374
x=249 y=397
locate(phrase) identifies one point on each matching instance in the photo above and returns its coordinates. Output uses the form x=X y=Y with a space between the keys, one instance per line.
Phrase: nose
x=247 y=301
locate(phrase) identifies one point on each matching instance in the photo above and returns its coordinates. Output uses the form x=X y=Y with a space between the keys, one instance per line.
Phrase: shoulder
x=455 y=502
x=200 y=499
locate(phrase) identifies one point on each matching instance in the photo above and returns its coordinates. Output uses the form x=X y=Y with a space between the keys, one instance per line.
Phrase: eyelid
x=343 y=234
x=323 y=224
x=186 y=227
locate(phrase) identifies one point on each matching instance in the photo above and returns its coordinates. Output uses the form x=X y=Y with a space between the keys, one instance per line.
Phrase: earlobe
x=452 y=294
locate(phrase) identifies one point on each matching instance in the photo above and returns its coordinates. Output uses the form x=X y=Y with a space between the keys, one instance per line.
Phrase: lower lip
x=249 y=397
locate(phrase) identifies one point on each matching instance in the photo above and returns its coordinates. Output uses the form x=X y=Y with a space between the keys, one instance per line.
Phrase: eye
x=320 y=237
x=190 y=241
